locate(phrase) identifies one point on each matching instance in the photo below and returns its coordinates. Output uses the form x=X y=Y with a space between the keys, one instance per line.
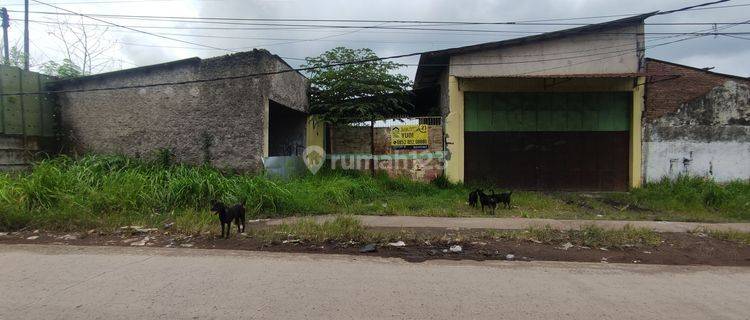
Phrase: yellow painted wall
x=454 y=130
x=315 y=133
x=546 y=84
x=636 y=170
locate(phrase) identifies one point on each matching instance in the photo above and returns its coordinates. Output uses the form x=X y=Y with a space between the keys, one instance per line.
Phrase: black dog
x=504 y=198
x=227 y=214
x=474 y=197
x=486 y=200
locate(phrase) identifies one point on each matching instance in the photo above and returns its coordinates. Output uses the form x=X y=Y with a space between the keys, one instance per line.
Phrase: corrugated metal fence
x=27 y=122
x=25 y=115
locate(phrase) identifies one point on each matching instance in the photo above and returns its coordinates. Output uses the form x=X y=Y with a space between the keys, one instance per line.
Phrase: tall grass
x=110 y=191
x=107 y=191
x=696 y=195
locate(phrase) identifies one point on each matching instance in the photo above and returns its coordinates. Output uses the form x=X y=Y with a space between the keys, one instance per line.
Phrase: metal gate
x=548 y=141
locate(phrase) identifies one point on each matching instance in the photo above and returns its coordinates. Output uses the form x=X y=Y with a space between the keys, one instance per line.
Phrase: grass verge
x=107 y=192
x=346 y=228
x=725 y=235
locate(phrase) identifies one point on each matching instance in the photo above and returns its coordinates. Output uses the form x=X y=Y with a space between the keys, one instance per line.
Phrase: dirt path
x=675 y=248
x=520 y=223
x=69 y=282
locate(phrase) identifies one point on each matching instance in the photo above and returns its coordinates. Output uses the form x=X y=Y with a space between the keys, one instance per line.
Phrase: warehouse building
x=555 y=111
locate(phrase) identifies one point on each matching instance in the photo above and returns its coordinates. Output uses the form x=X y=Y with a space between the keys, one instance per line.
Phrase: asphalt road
x=65 y=282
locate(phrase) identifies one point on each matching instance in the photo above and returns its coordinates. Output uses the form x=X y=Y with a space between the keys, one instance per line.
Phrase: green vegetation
x=725 y=235
x=112 y=191
x=593 y=236
x=340 y=229
x=346 y=228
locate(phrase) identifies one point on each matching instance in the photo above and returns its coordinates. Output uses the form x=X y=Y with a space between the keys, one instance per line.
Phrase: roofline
x=699 y=69
x=445 y=53
x=169 y=64
x=542 y=36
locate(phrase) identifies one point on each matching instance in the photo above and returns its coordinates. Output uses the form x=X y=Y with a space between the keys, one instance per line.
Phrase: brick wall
x=351 y=139
x=356 y=140
x=664 y=95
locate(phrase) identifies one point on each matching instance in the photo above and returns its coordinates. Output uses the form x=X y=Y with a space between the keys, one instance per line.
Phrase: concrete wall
x=708 y=135
x=231 y=114
x=610 y=51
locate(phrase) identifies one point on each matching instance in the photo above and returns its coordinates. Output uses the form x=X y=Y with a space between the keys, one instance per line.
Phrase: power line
x=301 y=69
x=129 y=28
x=520 y=22
x=691 y=7
x=263 y=21
x=736 y=37
x=370 y=27
x=106 y=2
x=693 y=36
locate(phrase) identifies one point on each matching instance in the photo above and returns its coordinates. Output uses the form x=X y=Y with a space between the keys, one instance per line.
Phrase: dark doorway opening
x=286 y=130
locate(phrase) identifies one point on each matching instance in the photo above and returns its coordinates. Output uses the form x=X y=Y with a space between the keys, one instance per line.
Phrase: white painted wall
x=721 y=160
x=707 y=136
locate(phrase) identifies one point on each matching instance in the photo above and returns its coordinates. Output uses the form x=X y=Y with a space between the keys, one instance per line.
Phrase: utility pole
x=26 y=35
x=6 y=24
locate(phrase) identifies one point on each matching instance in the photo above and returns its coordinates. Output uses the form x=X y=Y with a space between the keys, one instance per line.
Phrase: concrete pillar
x=636 y=169
x=315 y=133
x=266 y=125
x=454 y=130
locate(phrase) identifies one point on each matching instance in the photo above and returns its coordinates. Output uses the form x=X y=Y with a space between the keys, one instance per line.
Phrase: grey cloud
x=728 y=55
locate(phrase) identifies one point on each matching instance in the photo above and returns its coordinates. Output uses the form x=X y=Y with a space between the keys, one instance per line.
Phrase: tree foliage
x=66 y=69
x=354 y=85
x=15 y=56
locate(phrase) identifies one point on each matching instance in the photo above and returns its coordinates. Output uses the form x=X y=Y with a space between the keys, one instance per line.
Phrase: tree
x=65 y=70
x=15 y=57
x=354 y=85
x=84 y=49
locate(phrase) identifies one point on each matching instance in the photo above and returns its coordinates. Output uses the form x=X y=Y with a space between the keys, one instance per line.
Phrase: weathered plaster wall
x=230 y=114
x=609 y=51
x=706 y=136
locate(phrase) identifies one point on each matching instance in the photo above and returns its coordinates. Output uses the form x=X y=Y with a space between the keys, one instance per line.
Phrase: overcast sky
x=128 y=48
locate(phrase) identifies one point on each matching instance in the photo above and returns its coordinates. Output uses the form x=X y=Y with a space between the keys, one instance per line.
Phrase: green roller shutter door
x=535 y=112
x=553 y=141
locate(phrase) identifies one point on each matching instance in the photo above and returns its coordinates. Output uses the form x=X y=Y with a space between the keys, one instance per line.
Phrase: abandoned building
x=210 y=111
x=559 y=110
x=583 y=109
x=576 y=109
x=696 y=122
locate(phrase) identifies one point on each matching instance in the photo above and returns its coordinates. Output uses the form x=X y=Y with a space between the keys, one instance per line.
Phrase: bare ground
x=675 y=249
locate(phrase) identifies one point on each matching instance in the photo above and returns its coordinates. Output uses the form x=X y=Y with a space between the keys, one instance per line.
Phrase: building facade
x=229 y=111
x=556 y=111
x=696 y=122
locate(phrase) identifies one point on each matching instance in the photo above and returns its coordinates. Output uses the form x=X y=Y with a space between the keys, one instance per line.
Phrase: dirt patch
x=676 y=248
